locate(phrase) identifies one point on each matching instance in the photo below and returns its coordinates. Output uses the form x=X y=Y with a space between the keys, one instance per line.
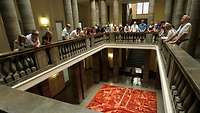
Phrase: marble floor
x=126 y=82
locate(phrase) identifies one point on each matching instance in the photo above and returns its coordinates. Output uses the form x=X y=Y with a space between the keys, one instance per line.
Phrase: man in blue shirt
x=142 y=26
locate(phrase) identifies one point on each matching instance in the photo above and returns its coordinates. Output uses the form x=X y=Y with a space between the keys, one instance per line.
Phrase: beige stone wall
x=159 y=10
x=52 y=9
x=85 y=13
x=85 y=16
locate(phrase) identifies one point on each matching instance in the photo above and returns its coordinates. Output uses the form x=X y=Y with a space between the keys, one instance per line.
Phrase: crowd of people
x=166 y=31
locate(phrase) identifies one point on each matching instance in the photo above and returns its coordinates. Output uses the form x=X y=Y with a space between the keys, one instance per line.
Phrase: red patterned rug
x=115 y=99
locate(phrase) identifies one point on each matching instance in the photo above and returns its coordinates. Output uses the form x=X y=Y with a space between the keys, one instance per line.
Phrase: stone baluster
x=32 y=64
x=26 y=66
x=63 y=51
x=60 y=52
x=8 y=74
x=69 y=50
x=79 y=47
x=72 y=51
x=2 y=76
x=13 y=69
x=20 y=68
x=84 y=46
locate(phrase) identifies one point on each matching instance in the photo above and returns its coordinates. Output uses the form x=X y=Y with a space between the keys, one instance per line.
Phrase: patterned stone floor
x=117 y=99
x=125 y=82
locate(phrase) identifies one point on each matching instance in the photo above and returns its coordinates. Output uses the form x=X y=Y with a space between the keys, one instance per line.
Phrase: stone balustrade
x=181 y=69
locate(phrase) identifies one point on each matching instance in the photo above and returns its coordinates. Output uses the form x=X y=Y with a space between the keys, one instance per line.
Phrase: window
x=143 y=8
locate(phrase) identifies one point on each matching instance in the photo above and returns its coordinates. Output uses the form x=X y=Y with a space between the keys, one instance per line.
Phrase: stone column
x=179 y=11
x=97 y=12
x=116 y=64
x=103 y=12
x=151 y=11
x=68 y=13
x=116 y=12
x=75 y=13
x=26 y=15
x=105 y=72
x=4 y=45
x=10 y=20
x=168 y=10
x=93 y=12
x=188 y=10
x=195 y=21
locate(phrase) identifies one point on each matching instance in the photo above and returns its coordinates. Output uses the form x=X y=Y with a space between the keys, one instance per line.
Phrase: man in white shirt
x=66 y=32
x=75 y=33
x=32 y=40
x=183 y=32
x=134 y=27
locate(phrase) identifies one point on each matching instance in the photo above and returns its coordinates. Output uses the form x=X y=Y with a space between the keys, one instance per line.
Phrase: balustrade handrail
x=54 y=44
x=42 y=47
x=189 y=66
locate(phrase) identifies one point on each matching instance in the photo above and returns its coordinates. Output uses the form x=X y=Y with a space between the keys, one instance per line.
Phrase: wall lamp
x=44 y=21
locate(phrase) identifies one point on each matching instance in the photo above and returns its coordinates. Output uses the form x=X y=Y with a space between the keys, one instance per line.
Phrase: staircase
x=136 y=58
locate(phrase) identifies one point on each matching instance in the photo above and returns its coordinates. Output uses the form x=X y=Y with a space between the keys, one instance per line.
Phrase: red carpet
x=115 y=99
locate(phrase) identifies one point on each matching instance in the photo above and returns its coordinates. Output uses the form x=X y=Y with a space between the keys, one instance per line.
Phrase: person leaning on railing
x=20 y=43
x=46 y=39
x=170 y=31
x=32 y=40
x=75 y=33
x=183 y=33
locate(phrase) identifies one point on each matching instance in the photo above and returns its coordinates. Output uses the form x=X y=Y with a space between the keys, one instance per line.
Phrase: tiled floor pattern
x=125 y=82
x=117 y=99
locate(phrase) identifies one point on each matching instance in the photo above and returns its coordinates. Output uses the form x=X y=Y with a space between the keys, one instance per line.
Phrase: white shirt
x=134 y=28
x=29 y=41
x=170 y=34
x=65 y=32
x=186 y=29
x=74 y=34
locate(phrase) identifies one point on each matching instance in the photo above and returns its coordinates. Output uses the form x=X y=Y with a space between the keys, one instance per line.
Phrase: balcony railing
x=183 y=78
x=182 y=70
x=21 y=65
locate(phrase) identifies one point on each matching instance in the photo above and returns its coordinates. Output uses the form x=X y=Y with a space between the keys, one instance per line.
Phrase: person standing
x=66 y=32
x=142 y=26
x=134 y=27
x=183 y=33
